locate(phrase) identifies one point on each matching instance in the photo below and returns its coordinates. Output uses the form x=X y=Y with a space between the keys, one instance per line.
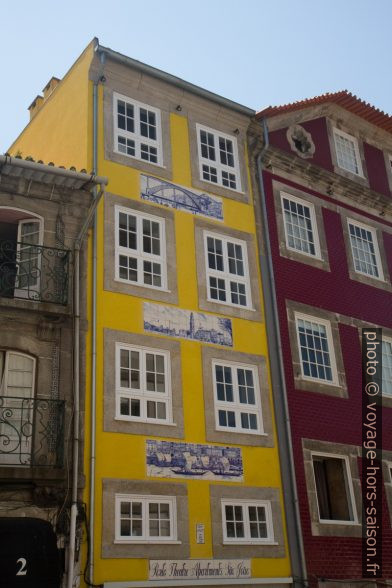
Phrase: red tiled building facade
x=327 y=182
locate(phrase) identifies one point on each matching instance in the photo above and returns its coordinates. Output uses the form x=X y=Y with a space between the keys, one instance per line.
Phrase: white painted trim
x=351 y=494
x=146 y=500
x=212 y=582
x=236 y=406
x=373 y=232
x=143 y=394
x=331 y=348
x=386 y=340
x=220 y=167
x=136 y=136
x=225 y=275
x=354 y=141
x=248 y=540
x=310 y=205
x=138 y=253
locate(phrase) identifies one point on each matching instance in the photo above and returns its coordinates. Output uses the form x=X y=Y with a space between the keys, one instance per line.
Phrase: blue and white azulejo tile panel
x=168 y=459
x=187 y=324
x=180 y=197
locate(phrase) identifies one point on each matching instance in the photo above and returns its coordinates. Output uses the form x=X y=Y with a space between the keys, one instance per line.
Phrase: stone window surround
x=134 y=94
x=116 y=425
x=197 y=113
x=110 y=549
x=340 y=389
x=388 y=165
x=212 y=434
x=240 y=139
x=236 y=311
x=110 y=283
x=338 y=124
x=352 y=453
x=384 y=284
x=248 y=493
x=320 y=263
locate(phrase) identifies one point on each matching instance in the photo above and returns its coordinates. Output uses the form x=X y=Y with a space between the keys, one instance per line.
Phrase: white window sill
x=310 y=255
x=214 y=301
x=221 y=185
x=350 y=523
x=147 y=542
x=130 y=283
x=320 y=381
x=225 y=542
x=379 y=279
x=239 y=431
x=139 y=159
x=145 y=422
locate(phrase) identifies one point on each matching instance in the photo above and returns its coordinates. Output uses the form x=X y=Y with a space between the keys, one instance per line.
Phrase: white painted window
x=316 y=350
x=227 y=270
x=300 y=225
x=218 y=158
x=17 y=382
x=137 y=130
x=347 y=152
x=387 y=366
x=237 y=397
x=334 y=488
x=364 y=249
x=140 y=249
x=142 y=519
x=247 y=521
x=143 y=384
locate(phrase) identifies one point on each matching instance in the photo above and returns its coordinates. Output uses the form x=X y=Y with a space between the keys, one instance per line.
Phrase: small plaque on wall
x=199 y=533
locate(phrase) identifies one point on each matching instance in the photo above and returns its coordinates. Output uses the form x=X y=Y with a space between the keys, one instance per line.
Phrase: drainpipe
x=294 y=530
x=76 y=380
x=94 y=337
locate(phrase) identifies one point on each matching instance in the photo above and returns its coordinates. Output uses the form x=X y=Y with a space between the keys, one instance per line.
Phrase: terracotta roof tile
x=344 y=99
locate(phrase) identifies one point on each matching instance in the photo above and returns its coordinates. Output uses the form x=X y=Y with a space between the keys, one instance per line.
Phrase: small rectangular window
x=334 y=490
x=143 y=384
x=316 y=349
x=142 y=519
x=137 y=130
x=347 y=152
x=218 y=158
x=300 y=225
x=140 y=249
x=364 y=249
x=227 y=270
x=387 y=367
x=247 y=522
x=237 y=398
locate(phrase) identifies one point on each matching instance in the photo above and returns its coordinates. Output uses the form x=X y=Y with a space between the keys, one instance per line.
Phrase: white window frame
x=145 y=501
x=354 y=141
x=220 y=167
x=138 y=253
x=331 y=348
x=236 y=406
x=143 y=395
x=136 y=136
x=373 y=232
x=310 y=205
x=225 y=274
x=247 y=539
x=386 y=340
x=349 y=488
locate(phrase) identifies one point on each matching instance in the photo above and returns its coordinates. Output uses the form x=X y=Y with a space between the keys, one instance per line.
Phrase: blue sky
x=255 y=52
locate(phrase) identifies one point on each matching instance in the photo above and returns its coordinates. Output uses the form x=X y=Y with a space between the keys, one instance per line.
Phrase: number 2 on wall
x=22 y=570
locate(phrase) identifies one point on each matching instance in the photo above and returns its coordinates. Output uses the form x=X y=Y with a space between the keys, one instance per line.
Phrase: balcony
x=34 y=272
x=31 y=432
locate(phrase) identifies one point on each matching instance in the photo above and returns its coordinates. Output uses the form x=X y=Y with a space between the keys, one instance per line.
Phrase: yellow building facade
x=181 y=465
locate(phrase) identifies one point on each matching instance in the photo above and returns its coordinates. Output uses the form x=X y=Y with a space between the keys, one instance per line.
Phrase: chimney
x=35 y=105
x=50 y=86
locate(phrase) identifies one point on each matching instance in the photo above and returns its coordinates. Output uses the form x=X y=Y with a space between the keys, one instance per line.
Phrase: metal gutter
x=41 y=172
x=294 y=530
x=174 y=80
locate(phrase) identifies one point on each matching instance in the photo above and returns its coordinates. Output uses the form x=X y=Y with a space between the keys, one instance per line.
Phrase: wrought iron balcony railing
x=31 y=432
x=33 y=272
